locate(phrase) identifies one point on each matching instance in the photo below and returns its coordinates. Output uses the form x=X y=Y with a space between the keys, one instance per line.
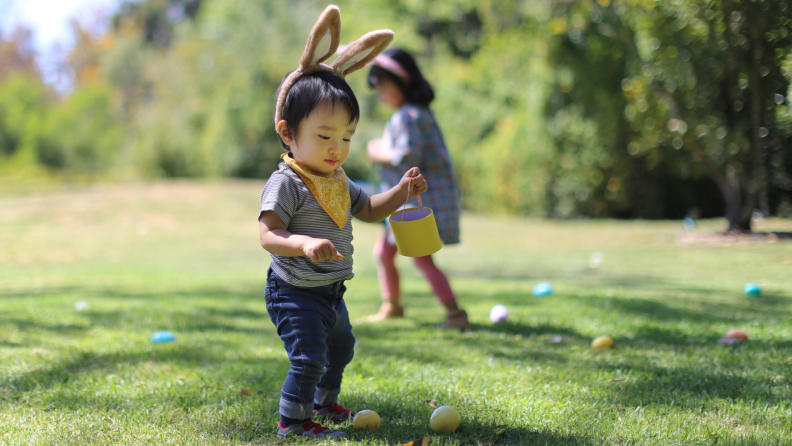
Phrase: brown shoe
x=456 y=319
x=387 y=311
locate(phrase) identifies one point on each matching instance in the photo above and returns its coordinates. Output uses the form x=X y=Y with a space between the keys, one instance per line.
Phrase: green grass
x=184 y=257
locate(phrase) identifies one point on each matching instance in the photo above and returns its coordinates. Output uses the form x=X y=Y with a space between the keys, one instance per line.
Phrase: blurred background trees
x=589 y=108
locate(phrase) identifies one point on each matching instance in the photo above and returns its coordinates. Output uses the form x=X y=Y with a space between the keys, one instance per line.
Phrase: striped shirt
x=287 y=195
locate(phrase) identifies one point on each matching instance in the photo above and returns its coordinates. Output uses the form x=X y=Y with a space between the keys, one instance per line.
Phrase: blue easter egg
x=543 y=289
x=752 y=290
x=688 y=223
x=162 y=336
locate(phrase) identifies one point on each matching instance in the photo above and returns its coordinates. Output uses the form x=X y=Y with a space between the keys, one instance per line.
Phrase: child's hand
x=319 y=250
x=413 y=178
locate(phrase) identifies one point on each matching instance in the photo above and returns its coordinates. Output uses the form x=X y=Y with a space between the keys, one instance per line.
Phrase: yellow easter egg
x=445 y=419
x=367 y=419
x=602 y=342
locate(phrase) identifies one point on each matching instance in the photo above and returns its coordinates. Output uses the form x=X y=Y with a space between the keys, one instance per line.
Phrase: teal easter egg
x=752 y=290
x=543 y=289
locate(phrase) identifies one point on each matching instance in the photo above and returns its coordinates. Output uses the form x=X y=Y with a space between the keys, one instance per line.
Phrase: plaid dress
x=413 y=134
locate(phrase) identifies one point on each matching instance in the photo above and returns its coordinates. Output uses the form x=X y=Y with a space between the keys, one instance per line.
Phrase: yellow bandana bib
x=330 y=190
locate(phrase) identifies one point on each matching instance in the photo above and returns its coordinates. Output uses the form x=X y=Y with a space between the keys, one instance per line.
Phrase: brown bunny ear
x=324 y=38
x=362 y=51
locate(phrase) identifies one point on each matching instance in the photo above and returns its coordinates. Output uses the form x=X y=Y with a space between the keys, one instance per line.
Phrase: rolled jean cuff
x=298 y=411
x=326 y=397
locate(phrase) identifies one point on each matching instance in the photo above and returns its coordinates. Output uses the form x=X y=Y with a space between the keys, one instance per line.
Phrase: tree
x=710 y=74
x=18 y=53
x=703 y=83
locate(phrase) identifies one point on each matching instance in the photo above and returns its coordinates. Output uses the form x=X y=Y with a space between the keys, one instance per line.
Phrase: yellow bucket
x=416 y=232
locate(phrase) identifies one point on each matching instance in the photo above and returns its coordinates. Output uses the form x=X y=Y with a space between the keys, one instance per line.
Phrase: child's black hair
x=418 y=91
x=311 y=91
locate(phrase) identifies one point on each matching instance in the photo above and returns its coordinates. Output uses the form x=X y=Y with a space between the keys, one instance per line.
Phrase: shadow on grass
x=702 y=311
x=506 y=340
x=59 y=380
x=493 y=434
x=87 y=293
x=63 y=329
x=165 y=311
x=692 y=386
x=62 y=379
x=68 y=369
x=403 y=423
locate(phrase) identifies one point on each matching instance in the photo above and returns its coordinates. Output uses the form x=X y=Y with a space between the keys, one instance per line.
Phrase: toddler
x=304 y=223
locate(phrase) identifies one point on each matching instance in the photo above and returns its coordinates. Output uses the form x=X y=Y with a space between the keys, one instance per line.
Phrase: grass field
x=185 y=257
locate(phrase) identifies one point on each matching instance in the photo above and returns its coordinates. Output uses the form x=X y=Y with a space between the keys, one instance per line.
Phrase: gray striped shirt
x=287 y=195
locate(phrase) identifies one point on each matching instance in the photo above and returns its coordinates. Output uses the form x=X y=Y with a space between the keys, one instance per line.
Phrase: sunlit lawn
x=184 y=257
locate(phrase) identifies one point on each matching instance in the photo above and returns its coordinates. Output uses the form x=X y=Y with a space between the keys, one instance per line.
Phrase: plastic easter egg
x=736 y=333
x=163 y=336
x=445 y=419
x=81 y=305
x=367 y=419
x=602 y=342
x=499 y=313
x=688 y=224
x=752 y=290
x=596 y=259
x=543 y=289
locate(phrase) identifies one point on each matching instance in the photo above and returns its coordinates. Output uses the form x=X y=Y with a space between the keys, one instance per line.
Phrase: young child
x=304 y=223
x=413 y=138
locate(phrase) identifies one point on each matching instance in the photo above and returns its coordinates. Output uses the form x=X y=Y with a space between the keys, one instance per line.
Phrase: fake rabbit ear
x=362 y=51
x=323 y=39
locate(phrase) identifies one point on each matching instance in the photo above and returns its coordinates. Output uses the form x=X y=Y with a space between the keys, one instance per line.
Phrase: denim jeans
x=314 y=326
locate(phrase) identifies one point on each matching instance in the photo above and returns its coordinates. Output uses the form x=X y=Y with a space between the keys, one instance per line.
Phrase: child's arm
x=379 y=206
x=277 y=240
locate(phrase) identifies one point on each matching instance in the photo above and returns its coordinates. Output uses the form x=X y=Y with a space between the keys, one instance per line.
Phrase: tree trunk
x=757 y=148
x=739 y=201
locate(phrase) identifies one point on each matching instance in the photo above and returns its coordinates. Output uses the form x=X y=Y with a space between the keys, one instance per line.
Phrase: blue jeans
x=314 y=326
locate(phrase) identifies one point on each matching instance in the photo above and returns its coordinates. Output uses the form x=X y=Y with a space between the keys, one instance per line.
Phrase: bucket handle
x=418 y=196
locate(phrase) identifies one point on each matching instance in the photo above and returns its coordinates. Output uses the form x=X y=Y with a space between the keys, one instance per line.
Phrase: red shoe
x=335 y=413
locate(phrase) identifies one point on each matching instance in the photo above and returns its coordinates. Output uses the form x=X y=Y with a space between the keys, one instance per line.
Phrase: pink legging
x=385 y=253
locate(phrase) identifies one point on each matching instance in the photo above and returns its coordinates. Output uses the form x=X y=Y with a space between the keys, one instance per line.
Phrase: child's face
x=322 y=140
x=389 y=94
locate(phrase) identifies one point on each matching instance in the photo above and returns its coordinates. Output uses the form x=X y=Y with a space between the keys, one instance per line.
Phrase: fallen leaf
x=620 y=378
x=424 y=442
x=432 y=404
x=245 y=392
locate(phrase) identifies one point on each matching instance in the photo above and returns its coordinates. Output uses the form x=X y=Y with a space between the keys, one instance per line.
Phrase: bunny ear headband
x=323 y=43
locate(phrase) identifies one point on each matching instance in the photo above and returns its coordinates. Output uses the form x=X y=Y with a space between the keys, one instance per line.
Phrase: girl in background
x=412 y=138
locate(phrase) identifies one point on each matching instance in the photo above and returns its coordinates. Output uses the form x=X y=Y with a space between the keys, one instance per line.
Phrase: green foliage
x=699 y=83
x=486 y=61
x=82 y=133
x=601 y=108
x=23 y=104
x=212 y=91
x=79 y=135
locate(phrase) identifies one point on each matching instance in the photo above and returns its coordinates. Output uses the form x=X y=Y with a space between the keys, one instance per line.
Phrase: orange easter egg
x=738 y=334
